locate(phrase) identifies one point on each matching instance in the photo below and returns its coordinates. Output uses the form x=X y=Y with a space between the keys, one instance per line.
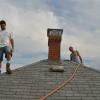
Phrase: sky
x=29 y=20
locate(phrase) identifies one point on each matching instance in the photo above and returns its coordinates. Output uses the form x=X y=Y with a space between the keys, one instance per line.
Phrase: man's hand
x=11 y=51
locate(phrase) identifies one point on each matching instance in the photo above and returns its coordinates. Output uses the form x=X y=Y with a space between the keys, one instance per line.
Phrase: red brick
x=54 y=48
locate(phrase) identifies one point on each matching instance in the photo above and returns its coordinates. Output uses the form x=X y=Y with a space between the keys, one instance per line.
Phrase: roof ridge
x=24 y=66
x=32 y=81
x=84 y=66
x=61 y=63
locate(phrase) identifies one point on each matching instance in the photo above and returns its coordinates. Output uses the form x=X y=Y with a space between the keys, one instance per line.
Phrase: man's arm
x=79 y=57
x=70 y=57
x=12 y=43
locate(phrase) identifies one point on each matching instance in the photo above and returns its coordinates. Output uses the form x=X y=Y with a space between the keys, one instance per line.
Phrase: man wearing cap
x=6 y=46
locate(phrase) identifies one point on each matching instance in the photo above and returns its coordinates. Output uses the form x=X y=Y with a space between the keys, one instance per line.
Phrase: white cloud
x=82 y=30
x=29 y=28
x=29 y=21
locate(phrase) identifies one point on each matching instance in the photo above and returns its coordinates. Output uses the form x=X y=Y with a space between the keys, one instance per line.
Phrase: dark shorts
x=4 y=50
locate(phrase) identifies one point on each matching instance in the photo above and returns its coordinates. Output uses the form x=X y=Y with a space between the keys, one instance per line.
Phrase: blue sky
x=29 y=20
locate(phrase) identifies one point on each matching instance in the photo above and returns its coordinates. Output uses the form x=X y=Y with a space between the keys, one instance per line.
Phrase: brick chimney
x=54 y=41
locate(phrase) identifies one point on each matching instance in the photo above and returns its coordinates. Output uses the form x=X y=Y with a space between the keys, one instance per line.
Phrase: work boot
x=8 y=70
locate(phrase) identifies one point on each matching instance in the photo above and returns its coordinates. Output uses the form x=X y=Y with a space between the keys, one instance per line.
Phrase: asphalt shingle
x=33 y=81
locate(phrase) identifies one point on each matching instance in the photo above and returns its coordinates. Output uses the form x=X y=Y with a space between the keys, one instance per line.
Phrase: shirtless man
x=75 y=56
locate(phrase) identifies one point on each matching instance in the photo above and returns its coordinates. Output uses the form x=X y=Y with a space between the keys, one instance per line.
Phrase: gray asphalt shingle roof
x=35 y=80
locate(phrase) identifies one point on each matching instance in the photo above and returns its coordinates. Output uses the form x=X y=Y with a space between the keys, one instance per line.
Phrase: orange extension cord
x=62 y=85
